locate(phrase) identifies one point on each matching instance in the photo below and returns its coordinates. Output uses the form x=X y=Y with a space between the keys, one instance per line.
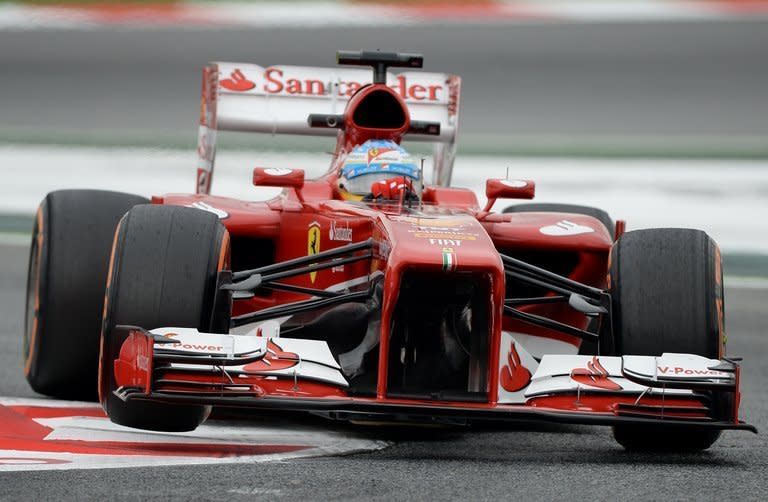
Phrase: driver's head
x=374 y=162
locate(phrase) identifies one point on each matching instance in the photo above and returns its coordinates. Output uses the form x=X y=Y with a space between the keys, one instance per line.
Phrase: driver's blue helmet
x=373 y=161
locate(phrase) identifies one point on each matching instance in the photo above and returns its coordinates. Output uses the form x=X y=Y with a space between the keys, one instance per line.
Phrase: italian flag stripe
x=449 y=261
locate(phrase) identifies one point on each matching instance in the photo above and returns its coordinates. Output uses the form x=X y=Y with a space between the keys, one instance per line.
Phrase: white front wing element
x=516 y=365
x=568 y=374
x=558 y=374
x=672 y=367
x=313 y=359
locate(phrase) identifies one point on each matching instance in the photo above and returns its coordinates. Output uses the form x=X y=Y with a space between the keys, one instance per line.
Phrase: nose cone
x=444 y=242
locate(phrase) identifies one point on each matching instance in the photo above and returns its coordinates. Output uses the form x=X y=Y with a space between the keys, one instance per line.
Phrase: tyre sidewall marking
x=105 y=380
x=719 y=301
x=224 y=257
x=32 y=333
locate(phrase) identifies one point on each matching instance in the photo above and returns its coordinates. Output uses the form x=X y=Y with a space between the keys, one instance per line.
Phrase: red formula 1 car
x=368 y=294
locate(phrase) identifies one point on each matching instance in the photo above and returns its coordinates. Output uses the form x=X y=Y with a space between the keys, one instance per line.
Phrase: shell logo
x=514 y=376
x=594 y=375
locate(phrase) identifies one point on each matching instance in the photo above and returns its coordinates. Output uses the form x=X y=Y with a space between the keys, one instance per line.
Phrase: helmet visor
x=361 y=185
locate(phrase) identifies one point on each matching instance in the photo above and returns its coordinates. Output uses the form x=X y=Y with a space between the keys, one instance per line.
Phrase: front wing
x=182 y=365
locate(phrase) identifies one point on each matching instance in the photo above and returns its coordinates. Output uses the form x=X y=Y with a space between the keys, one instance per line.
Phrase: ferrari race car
x=368 y=294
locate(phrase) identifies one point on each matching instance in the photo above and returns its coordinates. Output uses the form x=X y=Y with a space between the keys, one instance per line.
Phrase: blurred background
x=654 y=110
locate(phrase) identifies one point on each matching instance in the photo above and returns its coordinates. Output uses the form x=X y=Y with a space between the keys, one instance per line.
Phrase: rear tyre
x=544 y=207
x=68 y=263
x=163 y=273
x=667 y=291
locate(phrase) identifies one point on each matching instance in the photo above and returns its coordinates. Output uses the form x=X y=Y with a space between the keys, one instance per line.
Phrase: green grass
x=17 y=223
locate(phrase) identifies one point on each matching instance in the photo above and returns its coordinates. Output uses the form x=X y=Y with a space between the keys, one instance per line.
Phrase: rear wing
x=279 y=99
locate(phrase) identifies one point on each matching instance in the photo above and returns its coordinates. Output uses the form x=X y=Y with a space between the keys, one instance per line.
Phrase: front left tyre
x=68 y=261
x=666 y=287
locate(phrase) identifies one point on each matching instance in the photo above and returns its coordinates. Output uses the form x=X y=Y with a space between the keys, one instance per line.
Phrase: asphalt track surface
x=531 y=462
x=602 y=80
x=672 y=80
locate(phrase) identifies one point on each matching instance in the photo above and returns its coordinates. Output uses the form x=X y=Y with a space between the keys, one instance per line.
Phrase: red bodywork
x=285 y=221
x=450 y=235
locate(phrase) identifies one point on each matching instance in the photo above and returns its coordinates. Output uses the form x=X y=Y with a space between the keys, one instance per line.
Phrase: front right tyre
x=163 y=273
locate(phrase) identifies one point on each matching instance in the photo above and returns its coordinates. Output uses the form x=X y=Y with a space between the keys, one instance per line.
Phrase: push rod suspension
x=296 y=307
x=324 y=255
x=544 y=322
x=539 y=276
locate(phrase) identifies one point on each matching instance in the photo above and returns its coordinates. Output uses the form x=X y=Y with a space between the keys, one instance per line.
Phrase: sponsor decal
x=382 y=249
x=514 y=183
x=206 y=145
x=188 y=346
x=514 y=376
x=440 y=231
x=594 y=375
x=207 y=207
x=278 y=171
x=449 y=260
x=445 y=235
x=203 y=180
x=313 y=244
x=277 y=81
x=453 y=223
x=269 y=329
x=454 y=86
x=275 y=359
x=338 y=233
x=445 y=242
x=142 y=362
x=424 y=228
x=192 y=346
x=566 y=227
x=376 y=151
x=677 y=370
x=237 y=82
x=427 y=232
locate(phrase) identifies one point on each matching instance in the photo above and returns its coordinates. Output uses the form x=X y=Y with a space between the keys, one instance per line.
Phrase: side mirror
x=508 y=189
x=278 y=177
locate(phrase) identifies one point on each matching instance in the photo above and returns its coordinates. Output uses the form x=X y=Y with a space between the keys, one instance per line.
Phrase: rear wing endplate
x=279 y=99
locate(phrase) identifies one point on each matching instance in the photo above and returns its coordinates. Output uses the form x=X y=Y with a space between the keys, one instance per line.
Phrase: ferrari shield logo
x=313 y=244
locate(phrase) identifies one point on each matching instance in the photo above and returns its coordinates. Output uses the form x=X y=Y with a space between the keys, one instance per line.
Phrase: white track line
x=718 y=196
x=14 y=239
x=745 y=282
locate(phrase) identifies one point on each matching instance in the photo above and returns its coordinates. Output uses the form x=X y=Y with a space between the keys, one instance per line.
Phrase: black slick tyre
x=545 y=207
x=163 y=273
x=68 y=262
x=667 y=292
